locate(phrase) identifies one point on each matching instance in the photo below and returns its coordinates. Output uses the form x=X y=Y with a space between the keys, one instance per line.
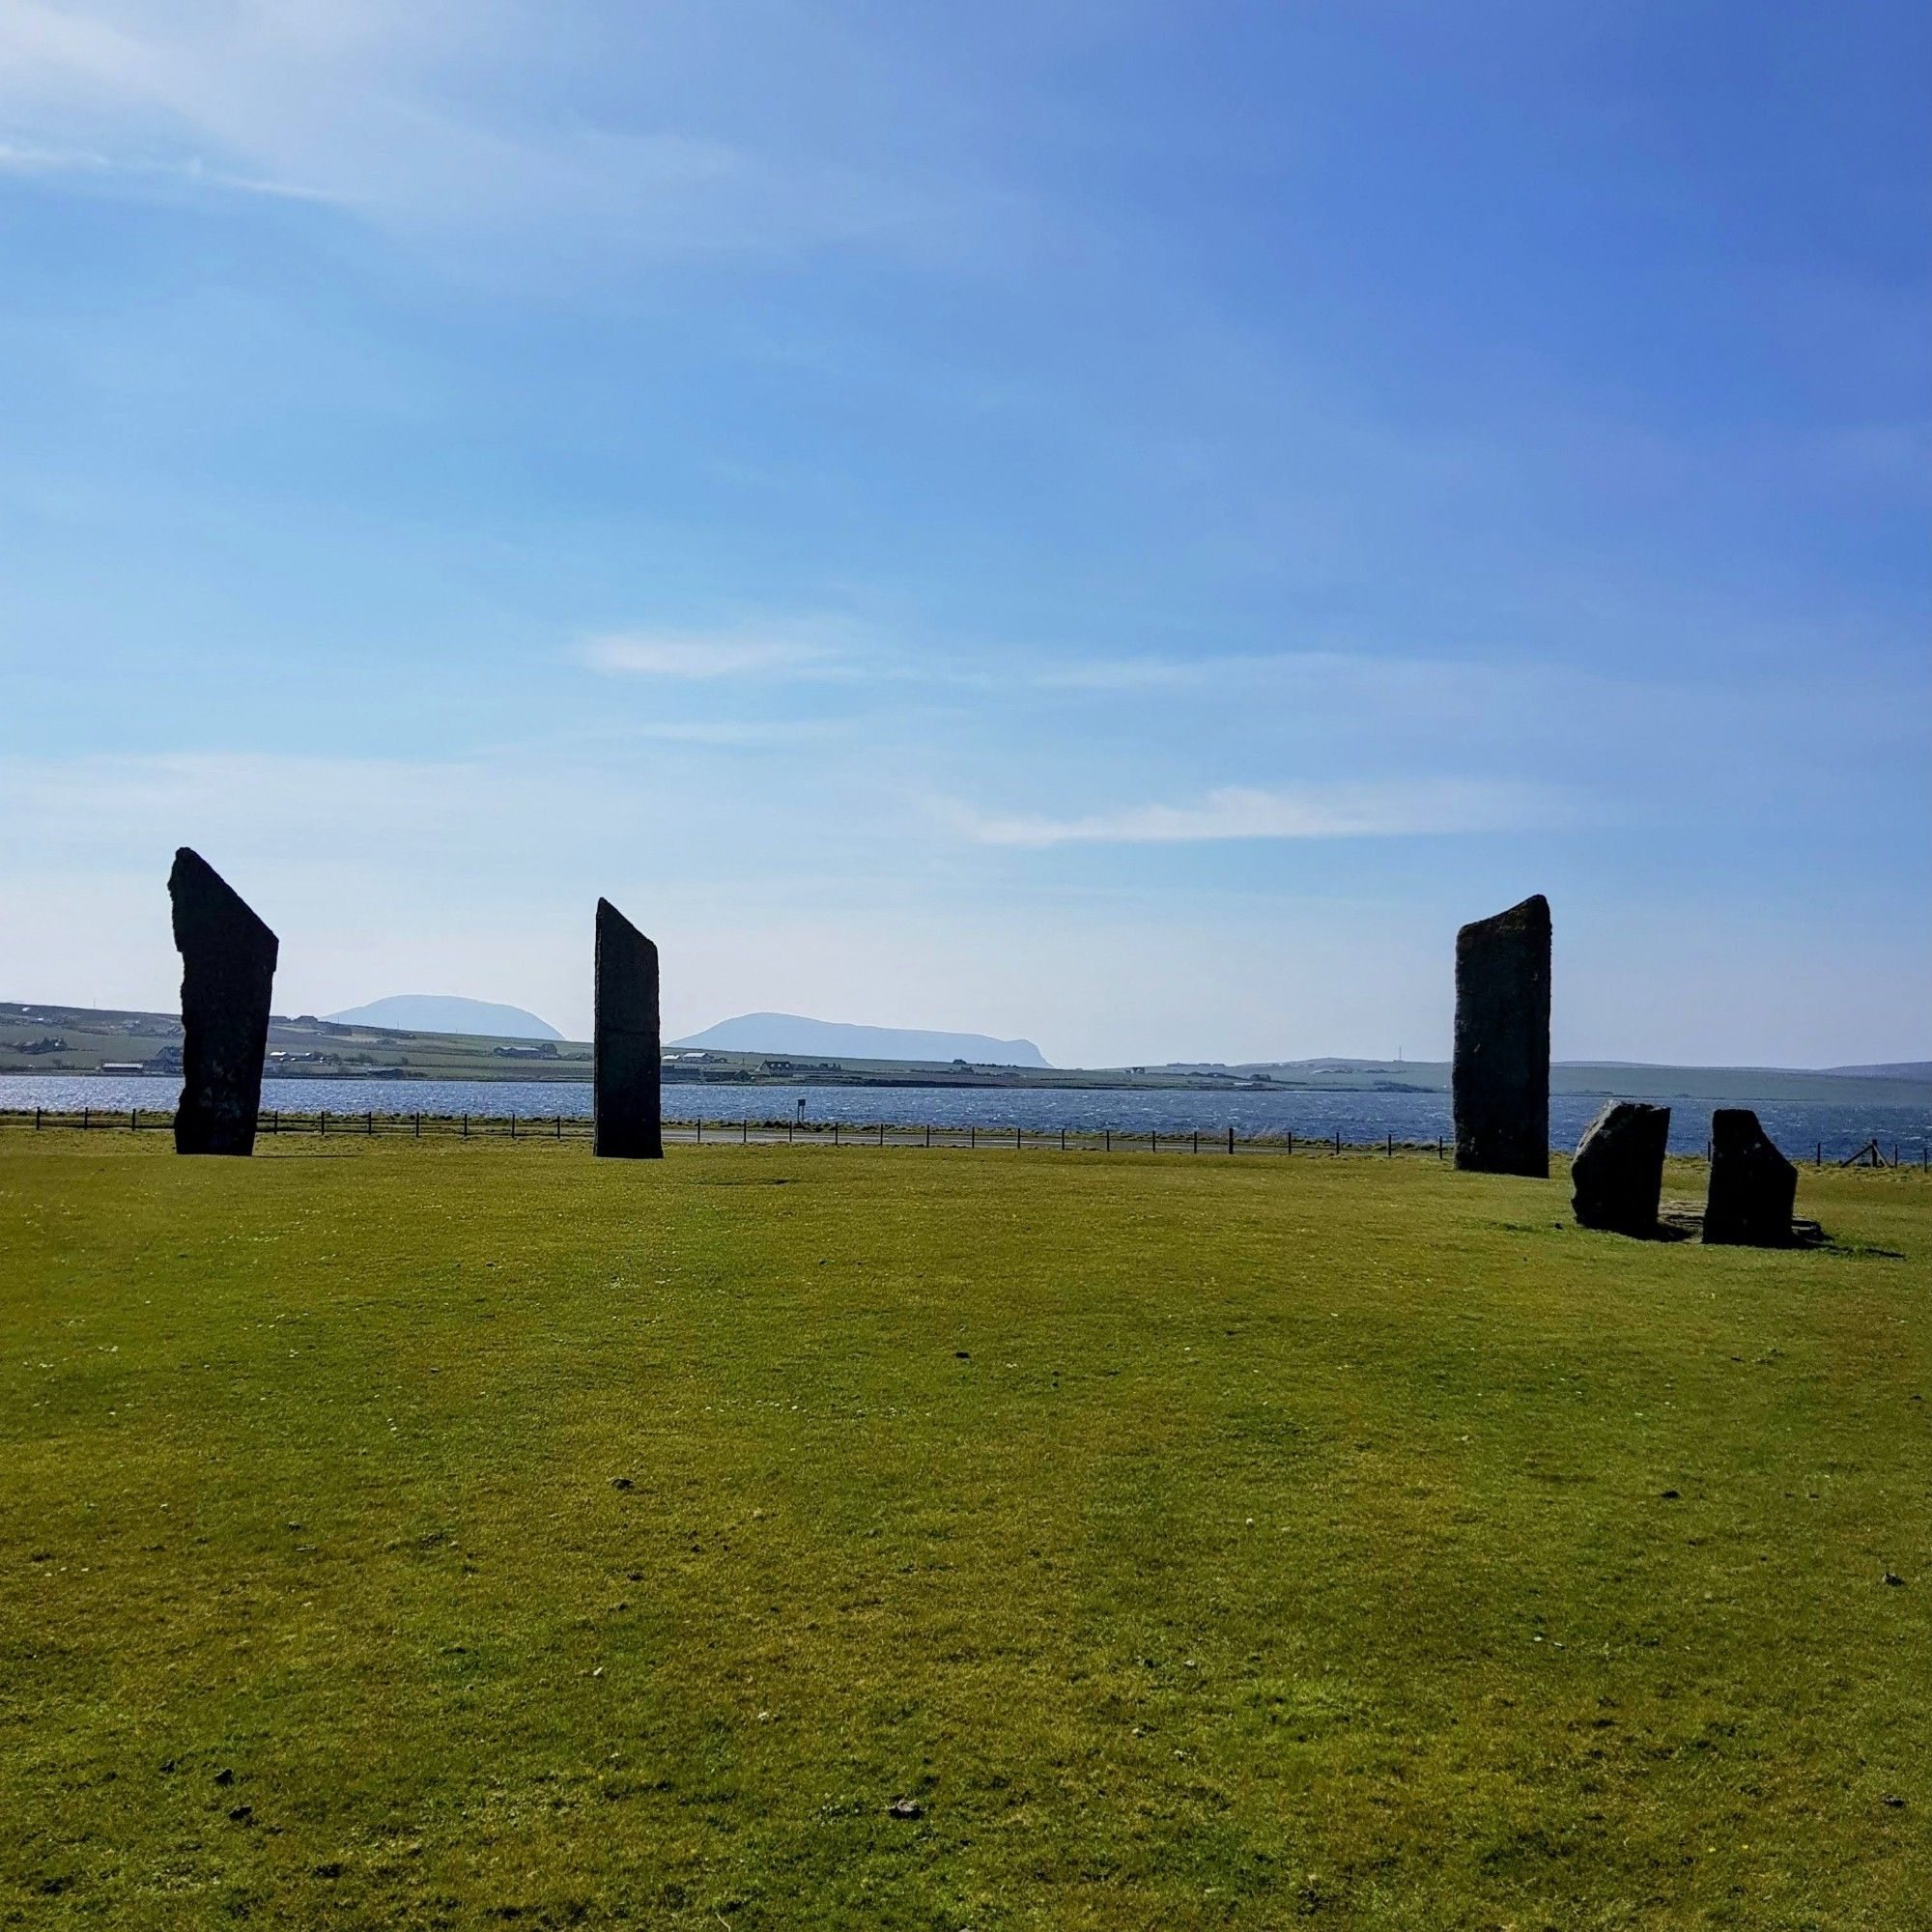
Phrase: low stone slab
x=1684 y=1221
x=1501 y=1075
x=1752 y=1185
x=1617 y=1177
x=627 y=1055
x=228 y=973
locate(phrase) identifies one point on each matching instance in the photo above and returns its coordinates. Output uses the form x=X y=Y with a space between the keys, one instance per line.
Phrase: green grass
x=442 y=1534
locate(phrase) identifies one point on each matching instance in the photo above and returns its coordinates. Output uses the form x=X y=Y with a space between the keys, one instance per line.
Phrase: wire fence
x=323 y=1123
x=745 y=1132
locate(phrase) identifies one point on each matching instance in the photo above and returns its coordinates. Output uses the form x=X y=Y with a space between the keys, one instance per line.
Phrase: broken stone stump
x=626 y=1052
x=228 y=971
x=1617 y=1177
x=1501 y=1076
x=1752 y=1185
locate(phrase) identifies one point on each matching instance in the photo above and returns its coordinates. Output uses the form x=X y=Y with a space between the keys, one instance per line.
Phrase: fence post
x=745 y=1132
x=420 y=1126
x=1391 y=1144
x=1016 y=1143
x=37 y=1120
x=1063 y=1140
x=834 y=1134
x=1109 y=1132
x=85 y=1122
x=370 y=1119
x=973 y=1136
x=882 y=1133
x=134 y=1124
x=1153 y=1143
x=928 y=1133
x=1291 y=1139
x=324 y=1128
x=277 y=1119
x=1818 y=1158
x=465 y=1126
x=700 y=1126
x=1231 y=1142
x=1338 y=1140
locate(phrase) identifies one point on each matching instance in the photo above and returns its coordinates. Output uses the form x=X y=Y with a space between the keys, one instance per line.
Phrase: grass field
x=442 y=1534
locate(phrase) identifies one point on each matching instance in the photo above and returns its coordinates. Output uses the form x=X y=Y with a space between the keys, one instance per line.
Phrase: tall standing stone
x=1501 y=1077
x=1617 y=1177
x=627 y=1054
x=1752 y=1185
x=228 y=971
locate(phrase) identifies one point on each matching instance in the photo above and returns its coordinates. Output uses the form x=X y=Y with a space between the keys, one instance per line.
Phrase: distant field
x=437 y=1534
x=79 y=1040
x=83 y=1040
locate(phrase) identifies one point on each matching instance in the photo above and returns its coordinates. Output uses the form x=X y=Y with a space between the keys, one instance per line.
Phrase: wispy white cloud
x=711 y=654
x=1136 y=673
x=729 y=732
x=417 y=117
x=188 y=174
x=1354 y=810
x=1367 y=678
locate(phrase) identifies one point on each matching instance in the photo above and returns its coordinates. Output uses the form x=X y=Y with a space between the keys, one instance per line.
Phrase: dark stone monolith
x=1617 y=1177
x=1752 y=1185
x=1502 y=1041
x=627 y=1062
x=228 y=971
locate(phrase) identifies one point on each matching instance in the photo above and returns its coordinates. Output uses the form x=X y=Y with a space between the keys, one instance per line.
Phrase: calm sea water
x=1800 y=1127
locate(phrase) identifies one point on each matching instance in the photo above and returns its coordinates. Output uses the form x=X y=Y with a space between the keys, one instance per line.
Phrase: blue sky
x=1118 y=524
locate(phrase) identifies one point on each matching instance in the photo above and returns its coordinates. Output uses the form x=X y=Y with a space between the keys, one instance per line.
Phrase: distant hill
x=446 y=1012
x=832 y=1039
x=1891 y=1069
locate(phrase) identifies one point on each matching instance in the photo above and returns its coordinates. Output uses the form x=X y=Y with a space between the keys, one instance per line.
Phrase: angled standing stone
x=1752 y=1185
x=1501 y=1077
x=627 y=1056
x=1617 y=1177
x=228 y=969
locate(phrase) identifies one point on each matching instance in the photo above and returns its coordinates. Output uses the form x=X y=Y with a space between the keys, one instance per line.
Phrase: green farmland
x=435 y=1534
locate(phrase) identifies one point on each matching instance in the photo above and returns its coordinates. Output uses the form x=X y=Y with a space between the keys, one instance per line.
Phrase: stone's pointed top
x=611 y=920
x=191 y=872
x=1529 y=915
x=202 y=897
